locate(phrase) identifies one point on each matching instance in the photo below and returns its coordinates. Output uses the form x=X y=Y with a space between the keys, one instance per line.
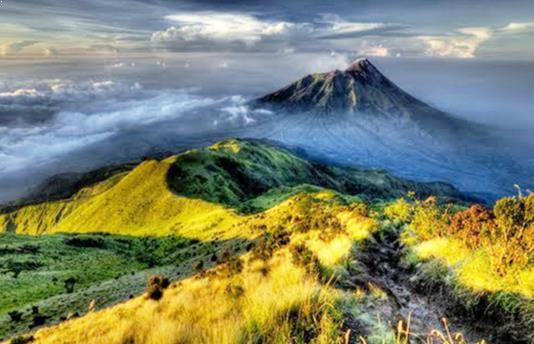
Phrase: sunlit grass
x=138 y=204
x=216 y=308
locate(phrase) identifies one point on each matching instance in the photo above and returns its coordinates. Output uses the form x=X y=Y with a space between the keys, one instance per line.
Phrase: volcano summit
x=359 y=88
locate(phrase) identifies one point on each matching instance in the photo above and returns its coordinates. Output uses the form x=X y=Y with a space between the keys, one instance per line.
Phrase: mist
x=75 y=115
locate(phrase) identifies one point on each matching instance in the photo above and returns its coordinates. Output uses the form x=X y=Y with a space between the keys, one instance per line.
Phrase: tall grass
x=491 y=249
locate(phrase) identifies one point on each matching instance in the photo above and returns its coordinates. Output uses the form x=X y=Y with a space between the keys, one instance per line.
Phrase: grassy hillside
x=303 y=281
x=61 y=274
x=134 y=203
x=191 y=194
x=234 y=172
x=263 y=246
x=284 y=289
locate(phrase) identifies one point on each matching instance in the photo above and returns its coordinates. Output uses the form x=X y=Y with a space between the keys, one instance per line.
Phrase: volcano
x=358 y=116
x=359 y=88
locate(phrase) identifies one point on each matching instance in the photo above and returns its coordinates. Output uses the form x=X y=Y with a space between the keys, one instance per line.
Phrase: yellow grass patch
x=138 y=203
x=449 y=250
x=246 y=307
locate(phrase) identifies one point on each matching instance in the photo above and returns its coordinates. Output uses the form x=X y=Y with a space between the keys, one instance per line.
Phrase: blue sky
x=404 y=28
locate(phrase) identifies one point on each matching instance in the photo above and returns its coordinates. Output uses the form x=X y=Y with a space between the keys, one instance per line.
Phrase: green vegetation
x=235 y=172
x=284 y=289
x=484 y=256
x=245 y=242
x=36 y=268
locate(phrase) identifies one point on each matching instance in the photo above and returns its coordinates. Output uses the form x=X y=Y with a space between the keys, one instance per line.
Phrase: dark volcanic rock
x=361 y=87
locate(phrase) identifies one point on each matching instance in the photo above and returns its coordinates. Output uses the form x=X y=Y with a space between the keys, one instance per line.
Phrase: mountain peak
x=359 y=65
x=359 y=88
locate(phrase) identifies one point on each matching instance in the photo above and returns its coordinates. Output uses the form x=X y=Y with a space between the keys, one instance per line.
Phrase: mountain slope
x=230 y=174
x=358 y=117
x=134 y=203
x=359 y=88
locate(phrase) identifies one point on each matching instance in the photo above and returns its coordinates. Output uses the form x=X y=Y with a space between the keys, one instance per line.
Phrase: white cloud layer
x=462 y=44
x=518 y=27
x=225 y=27
x=14 y=48
x=60 y=90
x=190 y=28
x=123 y=108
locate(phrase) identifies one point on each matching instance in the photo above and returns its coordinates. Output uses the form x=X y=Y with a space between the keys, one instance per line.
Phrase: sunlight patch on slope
x=473 y=269
x=138 y=204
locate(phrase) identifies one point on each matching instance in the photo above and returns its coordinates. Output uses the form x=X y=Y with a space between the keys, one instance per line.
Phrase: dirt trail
x=379 y=263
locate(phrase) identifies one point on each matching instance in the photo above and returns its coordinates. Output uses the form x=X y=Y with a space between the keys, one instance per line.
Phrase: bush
x=269 y=242
x=16 y=267
x=399 y=211
x=234 y=290
x=22 y=340
x=505 y=232
x=199 y=266
x=69 y=284
x=304 y=257
x=428 y=220
x=513 y=236
x=155 y=287
x=473 y=226
x=38 y=320
x=85 y=241
x=15 y=316
x=234 y=266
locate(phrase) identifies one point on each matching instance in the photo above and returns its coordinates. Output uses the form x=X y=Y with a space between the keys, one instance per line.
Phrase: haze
x=81 y=86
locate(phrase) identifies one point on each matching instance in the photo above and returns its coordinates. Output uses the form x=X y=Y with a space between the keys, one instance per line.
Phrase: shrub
x=304 y=257
x=513 y=237
x=38 y=320
x=234 y=266
x=155 y=287
x=269 y=242
x=505 y=232
x=473 y=226
x=15 y=316
x=69 y=284
x=199 y=266
x=16 y=267
x=399 y=211
x=85 y=241
x=22 y=340
x=234 y=290
x=428 y=220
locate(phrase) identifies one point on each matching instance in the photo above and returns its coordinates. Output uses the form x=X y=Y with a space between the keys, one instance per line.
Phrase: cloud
x=104 y=48
x=25 y=147
x=60 y=90
x=208 y=30
x=518 y=27
x=14 y=48
x=50 y=52
x=223 y=27
x=462 y=44
x=376 y=50
x=333 y=27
